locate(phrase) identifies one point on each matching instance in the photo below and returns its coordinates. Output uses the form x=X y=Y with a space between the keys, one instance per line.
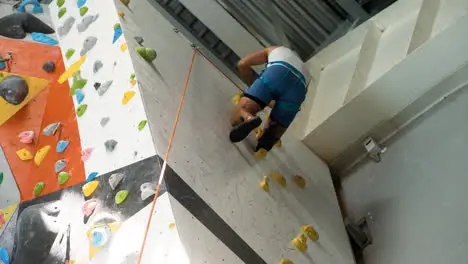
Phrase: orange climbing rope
x=166 y=157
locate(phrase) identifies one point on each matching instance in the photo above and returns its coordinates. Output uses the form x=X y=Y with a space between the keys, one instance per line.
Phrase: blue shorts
x=283 y=84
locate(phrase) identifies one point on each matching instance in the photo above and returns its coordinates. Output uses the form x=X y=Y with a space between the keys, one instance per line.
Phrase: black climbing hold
x=110 y=145
x=17 y=25
x=14 y=89
x=97 y=85
x=139 y=40
x=49 y=66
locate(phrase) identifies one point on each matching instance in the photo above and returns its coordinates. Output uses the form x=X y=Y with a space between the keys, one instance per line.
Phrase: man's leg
x=244 y=118
x=244 y=110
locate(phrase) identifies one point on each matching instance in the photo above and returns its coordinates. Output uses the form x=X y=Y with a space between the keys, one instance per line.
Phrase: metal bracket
x=373 y=149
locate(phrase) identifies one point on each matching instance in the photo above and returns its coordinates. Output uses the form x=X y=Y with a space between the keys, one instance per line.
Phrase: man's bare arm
x=256 y=58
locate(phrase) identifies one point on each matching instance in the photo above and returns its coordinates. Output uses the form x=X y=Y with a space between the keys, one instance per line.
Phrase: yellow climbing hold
x=123 y=47
x=264 y=184
x=41 y=154
x=261 y=153
x=89 y=188
x=133 y=82
x=258 y=133
x=286 y=261
x=300 y=242
x=299 y=181
x=278 y=144
x=121 y=14
x=310 y=232
x=279 y=179
x=171 y=225
x=24 y=154
x=127 y=97
x=235 y=99
x=71 y=70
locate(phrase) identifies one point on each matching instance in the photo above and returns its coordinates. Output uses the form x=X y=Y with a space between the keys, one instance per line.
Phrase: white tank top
x=289 y=56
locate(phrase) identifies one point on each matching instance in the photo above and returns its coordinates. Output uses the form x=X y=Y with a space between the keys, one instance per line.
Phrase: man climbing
x=282 y=86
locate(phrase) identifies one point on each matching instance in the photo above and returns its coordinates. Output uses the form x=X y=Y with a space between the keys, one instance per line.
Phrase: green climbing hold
x=81 y=110
x=62 y=12
x=60 y=3
x=125 y=2
x=83 y=11
x=132 y=76
x=63 y=177
x=142 y=125
x=78 y=82
x=121 y=196
x=148 y=54
x=1 y=177
x=116 y=26
x=38 y=188
x=69 y=53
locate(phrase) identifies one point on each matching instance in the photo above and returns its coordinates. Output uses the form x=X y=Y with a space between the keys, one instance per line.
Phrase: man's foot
x=241 y=131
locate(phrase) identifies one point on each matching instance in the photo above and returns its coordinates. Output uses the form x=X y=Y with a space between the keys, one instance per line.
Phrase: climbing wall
x=226 y=176
x=87 y=152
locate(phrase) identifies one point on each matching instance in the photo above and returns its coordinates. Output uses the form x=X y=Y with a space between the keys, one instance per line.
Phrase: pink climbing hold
x=89 y=207
x=86 y=153
x=26 y=137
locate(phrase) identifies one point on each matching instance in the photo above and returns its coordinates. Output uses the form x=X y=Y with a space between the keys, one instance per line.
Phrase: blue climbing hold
x=62 y=145
x=117 y=33
x=37 y=8
x=92 y=176
x=2 y=64
x=43 y=38
x=80 y=3
x=100 y=235
x=4 y=257
x=79 y=96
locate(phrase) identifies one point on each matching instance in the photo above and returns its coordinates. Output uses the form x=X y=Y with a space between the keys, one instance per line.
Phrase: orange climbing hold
x=41 y=154
x=71 y=70
x=24 y=154
x=89 y=188
x=127 y=97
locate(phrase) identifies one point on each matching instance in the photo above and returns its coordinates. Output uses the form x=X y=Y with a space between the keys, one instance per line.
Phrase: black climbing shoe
x=268 y=139
x=241 y=131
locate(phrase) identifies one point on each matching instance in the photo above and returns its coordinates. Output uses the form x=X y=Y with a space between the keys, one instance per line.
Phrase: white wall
x=417 y=194
x=118 y=67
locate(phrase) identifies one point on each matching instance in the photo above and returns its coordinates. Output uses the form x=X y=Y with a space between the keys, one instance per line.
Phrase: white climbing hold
x=60 y=165
x=97 y=66
x=51 y=129
x=104 y=121
x=102 y=89
x=115 y=179
x=147 y=189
